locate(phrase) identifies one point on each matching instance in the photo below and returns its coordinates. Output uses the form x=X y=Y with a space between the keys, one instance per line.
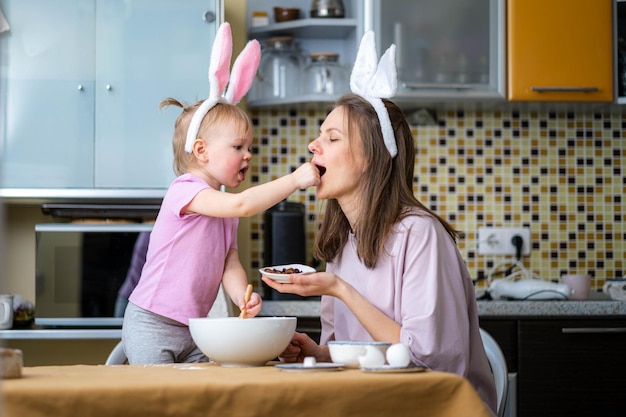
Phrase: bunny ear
x=244 y=70
x=364 y=64
x=220 y=61
x=374 y=81
x=384 y=83
x=218 y=79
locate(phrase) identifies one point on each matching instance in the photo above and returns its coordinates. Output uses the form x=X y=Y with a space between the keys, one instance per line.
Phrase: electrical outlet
x=498 y=240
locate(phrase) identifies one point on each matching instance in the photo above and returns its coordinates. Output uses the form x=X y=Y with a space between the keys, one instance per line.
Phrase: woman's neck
x=351 y=208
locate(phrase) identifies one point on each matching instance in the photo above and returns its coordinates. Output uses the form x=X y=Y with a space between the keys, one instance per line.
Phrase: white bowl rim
x=264 y=318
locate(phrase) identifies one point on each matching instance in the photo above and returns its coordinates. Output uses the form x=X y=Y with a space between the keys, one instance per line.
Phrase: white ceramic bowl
x=232 y=341
x=348 y=352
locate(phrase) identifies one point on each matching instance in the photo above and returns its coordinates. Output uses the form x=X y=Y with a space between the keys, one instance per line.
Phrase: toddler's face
x=229 y=153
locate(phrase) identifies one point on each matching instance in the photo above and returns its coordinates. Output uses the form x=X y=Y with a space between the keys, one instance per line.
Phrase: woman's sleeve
x=433 y=310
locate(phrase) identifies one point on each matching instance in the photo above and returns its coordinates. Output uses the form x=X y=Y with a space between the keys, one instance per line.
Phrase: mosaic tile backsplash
x=560 y=173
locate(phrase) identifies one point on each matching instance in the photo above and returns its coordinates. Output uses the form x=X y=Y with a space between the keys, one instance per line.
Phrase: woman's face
x=342 y=158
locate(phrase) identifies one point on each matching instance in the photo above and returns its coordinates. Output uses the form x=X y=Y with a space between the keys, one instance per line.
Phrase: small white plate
x=299 y=367
x=389 y=368
x=283 y=277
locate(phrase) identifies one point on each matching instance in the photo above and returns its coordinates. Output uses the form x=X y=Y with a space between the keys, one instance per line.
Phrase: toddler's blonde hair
x=221 y=114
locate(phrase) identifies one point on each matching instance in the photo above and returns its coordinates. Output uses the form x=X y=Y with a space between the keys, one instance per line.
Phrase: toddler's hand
x=254 y=305
x=306 y=176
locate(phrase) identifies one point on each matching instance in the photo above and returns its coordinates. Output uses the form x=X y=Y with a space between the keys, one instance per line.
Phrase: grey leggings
x=149 y=338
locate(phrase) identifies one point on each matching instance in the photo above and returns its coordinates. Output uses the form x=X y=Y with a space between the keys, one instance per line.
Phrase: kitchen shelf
x=305 y=101
x=61 y=334
x=320 y=28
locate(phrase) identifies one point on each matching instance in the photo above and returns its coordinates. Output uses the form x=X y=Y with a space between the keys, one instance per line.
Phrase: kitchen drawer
x=571 y=367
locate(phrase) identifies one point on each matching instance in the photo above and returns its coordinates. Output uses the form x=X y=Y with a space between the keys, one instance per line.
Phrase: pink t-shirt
x=186 y=256
x=424 y=285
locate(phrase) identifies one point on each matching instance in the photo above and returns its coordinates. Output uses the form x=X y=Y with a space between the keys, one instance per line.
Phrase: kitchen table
x=211 y=390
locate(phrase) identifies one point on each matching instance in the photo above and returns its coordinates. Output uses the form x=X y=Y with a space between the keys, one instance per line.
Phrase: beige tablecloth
x=190 y=390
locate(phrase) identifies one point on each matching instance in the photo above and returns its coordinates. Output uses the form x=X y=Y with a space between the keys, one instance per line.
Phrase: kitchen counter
x=597 y=305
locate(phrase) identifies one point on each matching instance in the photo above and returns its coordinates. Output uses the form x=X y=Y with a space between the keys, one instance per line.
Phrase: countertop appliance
x=284 y=241
x=519 y=283
x=528 y=289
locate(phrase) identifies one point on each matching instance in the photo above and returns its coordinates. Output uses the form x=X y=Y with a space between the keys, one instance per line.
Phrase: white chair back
x=117 y=356
x=498 y=367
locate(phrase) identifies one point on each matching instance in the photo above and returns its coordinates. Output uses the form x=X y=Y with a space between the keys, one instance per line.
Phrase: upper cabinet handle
x=208 y=16
x=80 y=87
x=417 y=86
x=593 y=330
x=108 y=87
x=565 y=89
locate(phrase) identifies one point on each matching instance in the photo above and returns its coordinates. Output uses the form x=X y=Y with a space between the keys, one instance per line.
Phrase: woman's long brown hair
x=386 y=187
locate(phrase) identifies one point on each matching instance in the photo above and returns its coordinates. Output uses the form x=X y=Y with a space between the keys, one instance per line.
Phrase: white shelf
x=61 y=334
x=305 y=101
x=320 y=28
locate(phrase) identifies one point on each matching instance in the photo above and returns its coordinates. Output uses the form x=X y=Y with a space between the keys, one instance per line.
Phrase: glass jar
x=279 y=70
x=324 y=75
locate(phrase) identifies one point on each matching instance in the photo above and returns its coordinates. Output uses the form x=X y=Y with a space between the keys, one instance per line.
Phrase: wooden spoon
x=246 y=298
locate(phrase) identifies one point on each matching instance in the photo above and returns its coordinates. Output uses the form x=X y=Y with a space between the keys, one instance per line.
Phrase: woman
x=393 y=273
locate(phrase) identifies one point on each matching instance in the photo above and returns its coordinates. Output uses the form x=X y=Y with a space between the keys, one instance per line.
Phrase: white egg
x=373 y=358
x=398 y=355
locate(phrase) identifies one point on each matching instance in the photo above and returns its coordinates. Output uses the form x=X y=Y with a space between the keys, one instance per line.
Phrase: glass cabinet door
x=81 y=84
x=46 y=105
x=445 y=48
x=147 y=50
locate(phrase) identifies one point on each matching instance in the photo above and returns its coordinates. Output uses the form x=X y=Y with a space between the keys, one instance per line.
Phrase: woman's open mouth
x=321 y=169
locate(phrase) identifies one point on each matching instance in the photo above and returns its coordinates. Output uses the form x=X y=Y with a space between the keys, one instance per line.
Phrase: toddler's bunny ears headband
x=244 y=70
x=375 y=80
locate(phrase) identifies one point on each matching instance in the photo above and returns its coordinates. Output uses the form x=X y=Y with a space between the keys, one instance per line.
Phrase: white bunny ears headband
x=244 y=70
x=374 y=80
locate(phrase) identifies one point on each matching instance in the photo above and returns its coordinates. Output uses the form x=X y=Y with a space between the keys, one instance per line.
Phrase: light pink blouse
x=422 y=284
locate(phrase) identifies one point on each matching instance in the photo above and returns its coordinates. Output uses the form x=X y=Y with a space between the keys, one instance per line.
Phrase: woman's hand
x=306 y=285
x=379 y=326
x=302 y=346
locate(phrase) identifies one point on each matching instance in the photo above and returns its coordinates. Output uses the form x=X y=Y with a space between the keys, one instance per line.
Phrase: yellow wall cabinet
x=560 y=50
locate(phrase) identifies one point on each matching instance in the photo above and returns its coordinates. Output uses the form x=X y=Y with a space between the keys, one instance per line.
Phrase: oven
x=80 y=268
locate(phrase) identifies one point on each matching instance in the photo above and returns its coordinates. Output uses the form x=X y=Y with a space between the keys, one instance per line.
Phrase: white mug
x=580 y=285
x=615 y=288
x=6 y=311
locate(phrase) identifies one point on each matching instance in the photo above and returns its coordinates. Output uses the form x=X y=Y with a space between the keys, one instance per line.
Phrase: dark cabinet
x=565 y=367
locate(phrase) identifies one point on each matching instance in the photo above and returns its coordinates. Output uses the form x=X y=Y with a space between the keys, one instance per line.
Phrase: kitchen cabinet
x=311 y=35
x=620 y=51
x=565 y=367
x=446 y=50
x=442 y=55
x=560 y=50
x=82 y=82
